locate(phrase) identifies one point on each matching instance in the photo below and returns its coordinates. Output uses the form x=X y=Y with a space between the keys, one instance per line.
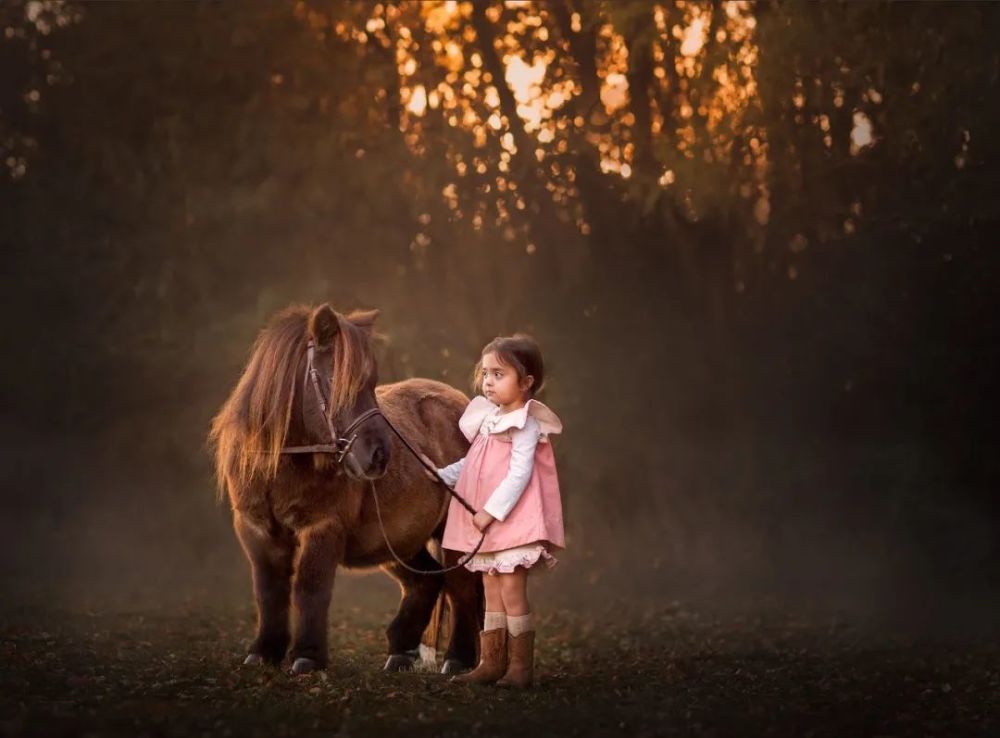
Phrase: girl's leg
x=492 y=638
x=514 y=591
x=520 y=630
x=495 y=615
x=494 y=597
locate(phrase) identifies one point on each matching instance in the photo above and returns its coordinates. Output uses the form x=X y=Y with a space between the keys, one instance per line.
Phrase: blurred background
x=756 y=243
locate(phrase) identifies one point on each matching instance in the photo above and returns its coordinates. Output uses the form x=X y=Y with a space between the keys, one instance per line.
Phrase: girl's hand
x=482 y=520
x=429 y=463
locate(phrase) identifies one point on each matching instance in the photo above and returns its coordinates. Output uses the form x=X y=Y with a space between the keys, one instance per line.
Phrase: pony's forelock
x=353 y=362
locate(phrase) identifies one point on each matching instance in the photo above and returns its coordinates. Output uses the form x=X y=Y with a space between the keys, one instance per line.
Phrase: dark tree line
x=755 y=240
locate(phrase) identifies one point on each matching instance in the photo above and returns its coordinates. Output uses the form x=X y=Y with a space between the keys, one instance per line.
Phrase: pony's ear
x=323 y=325
x=364 y=319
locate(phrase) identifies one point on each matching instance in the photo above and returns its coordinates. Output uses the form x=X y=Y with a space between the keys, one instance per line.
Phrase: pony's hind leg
x=419 y=595
x=271 y=568
x=464 y=590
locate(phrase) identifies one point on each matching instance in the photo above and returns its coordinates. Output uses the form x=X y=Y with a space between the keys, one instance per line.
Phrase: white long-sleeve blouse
x=522 y=461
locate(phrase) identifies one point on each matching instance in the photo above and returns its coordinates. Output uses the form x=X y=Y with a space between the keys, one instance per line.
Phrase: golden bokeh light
x=521 y=99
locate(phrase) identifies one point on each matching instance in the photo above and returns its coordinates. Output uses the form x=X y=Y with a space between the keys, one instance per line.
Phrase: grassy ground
x=659 y=670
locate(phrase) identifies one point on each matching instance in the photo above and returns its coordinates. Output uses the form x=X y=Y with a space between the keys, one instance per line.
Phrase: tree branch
x=525 y=157
x=583 y=49
x=640 y=77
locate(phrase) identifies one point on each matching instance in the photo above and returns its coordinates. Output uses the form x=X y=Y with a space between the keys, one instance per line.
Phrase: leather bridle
x=340 y=445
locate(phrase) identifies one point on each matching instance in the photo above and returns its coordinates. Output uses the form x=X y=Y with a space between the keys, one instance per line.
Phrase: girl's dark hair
x=519 y=351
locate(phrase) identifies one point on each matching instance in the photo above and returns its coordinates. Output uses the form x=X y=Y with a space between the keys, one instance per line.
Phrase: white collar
x=480 y=408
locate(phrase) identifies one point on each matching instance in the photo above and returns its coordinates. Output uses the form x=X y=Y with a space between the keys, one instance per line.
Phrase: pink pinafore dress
x=533 y=528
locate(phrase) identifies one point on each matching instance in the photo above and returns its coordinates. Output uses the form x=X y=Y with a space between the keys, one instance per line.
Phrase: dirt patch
x=664 y=671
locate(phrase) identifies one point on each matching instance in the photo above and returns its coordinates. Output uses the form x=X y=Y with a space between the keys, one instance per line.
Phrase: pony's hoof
x=302 y=665
x=453 y=666
x=253 y=659
x=400 y=662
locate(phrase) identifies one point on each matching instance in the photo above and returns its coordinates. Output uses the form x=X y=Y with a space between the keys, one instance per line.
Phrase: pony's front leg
x=271 y=568
x=320 y=549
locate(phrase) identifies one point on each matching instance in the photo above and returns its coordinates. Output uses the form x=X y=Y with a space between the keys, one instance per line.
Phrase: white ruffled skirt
x=505 y=561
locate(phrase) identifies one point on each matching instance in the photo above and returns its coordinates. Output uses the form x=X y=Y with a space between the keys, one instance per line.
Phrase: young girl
x=509 y=475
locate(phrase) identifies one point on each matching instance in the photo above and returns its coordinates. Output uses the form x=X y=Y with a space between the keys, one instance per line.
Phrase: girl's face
x=501 y=385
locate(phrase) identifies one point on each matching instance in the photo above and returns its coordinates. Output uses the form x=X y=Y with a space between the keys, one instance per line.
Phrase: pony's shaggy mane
x=250 y=430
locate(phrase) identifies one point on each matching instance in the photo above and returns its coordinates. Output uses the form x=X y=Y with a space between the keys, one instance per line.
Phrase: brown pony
x=299 y=516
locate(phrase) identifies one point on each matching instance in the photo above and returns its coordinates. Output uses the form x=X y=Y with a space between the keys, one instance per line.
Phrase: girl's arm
x=522 y=461
x=451 y=472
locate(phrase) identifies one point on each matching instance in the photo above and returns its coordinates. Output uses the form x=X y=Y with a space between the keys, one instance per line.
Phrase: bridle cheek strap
x=340 y=445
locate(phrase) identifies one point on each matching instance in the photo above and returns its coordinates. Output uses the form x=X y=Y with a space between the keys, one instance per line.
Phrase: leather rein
x=340 y=447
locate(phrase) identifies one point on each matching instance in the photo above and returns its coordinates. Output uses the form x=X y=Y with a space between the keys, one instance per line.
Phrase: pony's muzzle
x=369 y=462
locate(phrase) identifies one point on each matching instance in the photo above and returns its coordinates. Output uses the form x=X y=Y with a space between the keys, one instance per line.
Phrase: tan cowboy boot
x=521 y=655
x=492 y=658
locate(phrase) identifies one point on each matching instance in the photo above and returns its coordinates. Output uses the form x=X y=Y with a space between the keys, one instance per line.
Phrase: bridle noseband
x=340 y=445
